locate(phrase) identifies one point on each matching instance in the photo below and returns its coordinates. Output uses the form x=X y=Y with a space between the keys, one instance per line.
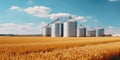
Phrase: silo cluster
x=69 y=28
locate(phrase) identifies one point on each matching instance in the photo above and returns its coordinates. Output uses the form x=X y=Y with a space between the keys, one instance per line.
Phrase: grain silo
x=91 y=32
x=100 y=31
x=70 y=28
x=81 y=31
x=46 y=30
x=57 y=29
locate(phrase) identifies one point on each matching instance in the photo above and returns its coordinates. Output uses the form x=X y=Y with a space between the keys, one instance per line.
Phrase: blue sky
x=105 y=13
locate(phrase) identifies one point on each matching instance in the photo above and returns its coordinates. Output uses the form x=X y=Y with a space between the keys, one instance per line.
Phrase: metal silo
x=100 y=32
x=91 y=32
x=57 y=29
x=46 y=30
x=70 y=28
x=81 y=31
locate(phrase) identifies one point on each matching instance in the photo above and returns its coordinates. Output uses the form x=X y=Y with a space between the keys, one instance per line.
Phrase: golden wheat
x=43 y=48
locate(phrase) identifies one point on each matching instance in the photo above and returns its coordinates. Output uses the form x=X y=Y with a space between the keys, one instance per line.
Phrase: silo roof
x=58 y=22
x=47 y=26
x=71 y=20
x=81 y=26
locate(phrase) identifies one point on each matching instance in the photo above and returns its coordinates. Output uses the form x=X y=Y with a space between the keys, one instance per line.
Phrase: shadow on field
x=115 y=58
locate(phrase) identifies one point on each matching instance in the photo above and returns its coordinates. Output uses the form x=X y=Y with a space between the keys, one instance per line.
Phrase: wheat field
x=59 y=48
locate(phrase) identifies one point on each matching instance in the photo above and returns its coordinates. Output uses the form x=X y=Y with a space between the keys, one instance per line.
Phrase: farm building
x=69 y=28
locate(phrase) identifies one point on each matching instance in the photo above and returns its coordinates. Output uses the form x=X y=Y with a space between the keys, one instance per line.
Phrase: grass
x=46 y=48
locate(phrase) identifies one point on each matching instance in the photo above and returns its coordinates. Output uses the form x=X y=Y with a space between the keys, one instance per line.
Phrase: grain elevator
x=57 y=29
x=99 y=31
x=70 y=28
x=81 y=31
x=91 y=32
x=46 y=30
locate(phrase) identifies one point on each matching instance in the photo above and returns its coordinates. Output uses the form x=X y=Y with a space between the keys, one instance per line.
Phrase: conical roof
x=48 y=25
x=70 y=20
x=58 y=22
x=81 y=26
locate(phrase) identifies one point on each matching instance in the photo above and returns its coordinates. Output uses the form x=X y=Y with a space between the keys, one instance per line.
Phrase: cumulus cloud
x=40 y=11
x=59 y=15
x=28 y=28
x=45 y=12
x=80 y=18
x=66 y=16
x=15 y=8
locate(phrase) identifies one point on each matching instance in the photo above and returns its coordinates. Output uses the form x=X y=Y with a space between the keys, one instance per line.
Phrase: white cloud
x=40 y=11
x=28 y=28
x=81 y=19
x=66 y=16
x=113 y=0
x=116 y=35
x=45 y=12
x=15 y=8
x=59 y=15
x=110 y=27
x=89 y=17
x=113 y=30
